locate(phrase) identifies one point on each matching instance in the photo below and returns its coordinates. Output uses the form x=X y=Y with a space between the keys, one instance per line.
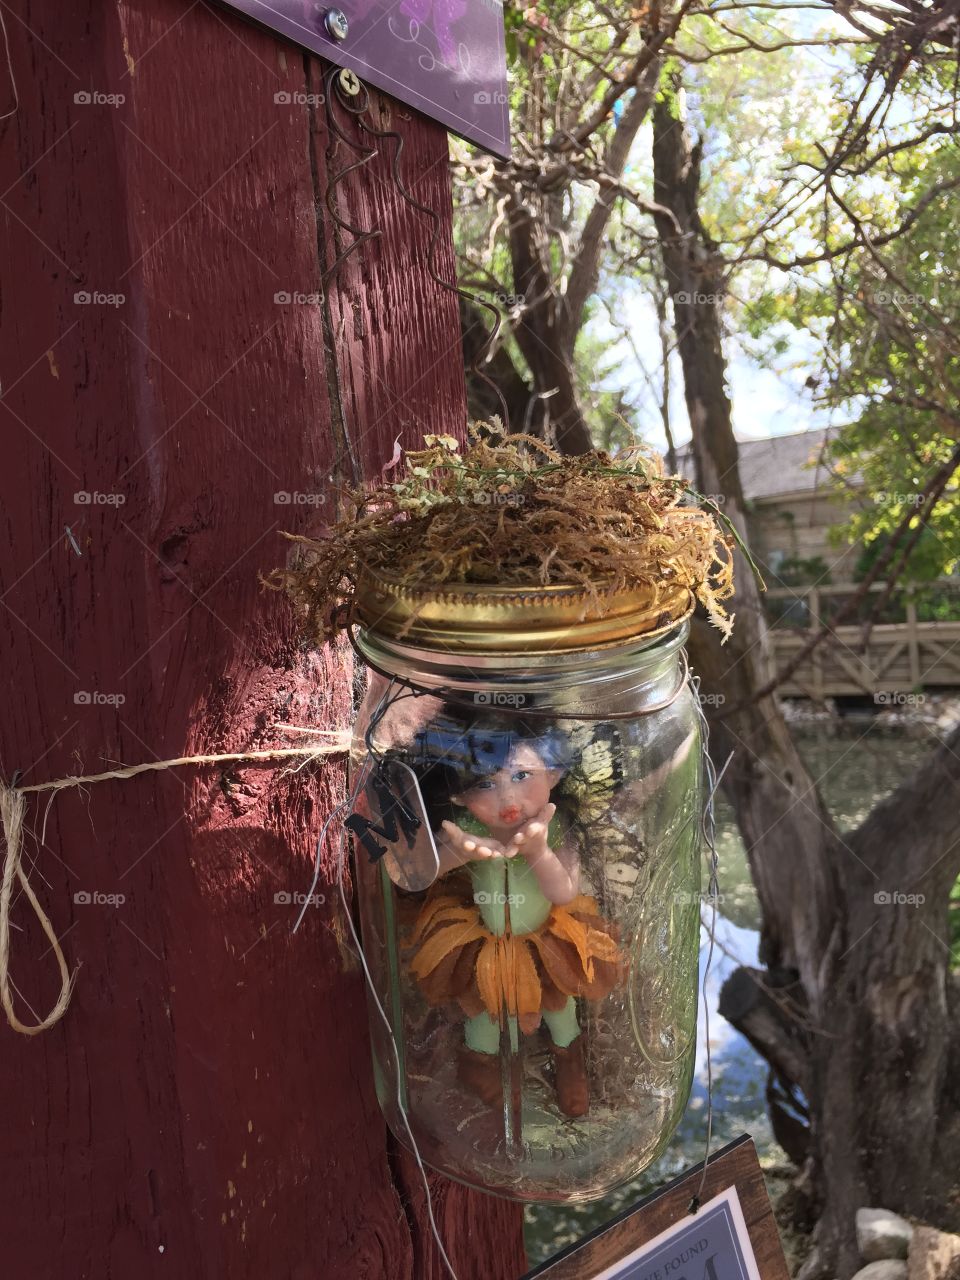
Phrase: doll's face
x=514 y=794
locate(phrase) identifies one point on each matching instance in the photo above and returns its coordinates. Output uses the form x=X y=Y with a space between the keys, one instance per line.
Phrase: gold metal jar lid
x=481 y=619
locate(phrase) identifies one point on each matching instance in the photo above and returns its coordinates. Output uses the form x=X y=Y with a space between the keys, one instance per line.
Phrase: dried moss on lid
x=508 y=510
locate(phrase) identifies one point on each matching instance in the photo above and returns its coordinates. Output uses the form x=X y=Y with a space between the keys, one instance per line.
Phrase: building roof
x=776 y=465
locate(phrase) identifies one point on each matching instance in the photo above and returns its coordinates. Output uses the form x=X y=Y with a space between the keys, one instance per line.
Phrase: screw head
x=335 y=21
x=348 y=82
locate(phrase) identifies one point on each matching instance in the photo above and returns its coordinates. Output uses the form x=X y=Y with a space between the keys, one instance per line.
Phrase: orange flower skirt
x=575 y=952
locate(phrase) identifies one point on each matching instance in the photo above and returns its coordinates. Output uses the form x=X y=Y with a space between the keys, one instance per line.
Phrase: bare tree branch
x=569 y=140
x=586 y=265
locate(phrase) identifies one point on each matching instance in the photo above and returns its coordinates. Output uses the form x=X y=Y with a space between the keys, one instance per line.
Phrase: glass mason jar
x=527 y=846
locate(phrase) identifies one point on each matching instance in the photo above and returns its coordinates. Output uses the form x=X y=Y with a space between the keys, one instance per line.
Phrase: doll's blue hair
x=454 y=751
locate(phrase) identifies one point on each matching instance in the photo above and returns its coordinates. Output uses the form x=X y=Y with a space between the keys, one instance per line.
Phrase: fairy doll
x=505 y=933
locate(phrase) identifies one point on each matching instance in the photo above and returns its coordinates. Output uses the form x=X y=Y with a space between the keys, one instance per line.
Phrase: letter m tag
x=391 y=807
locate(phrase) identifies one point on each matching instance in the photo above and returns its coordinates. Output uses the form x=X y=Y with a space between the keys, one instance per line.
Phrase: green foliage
x=934 y=556
x=879 y=325
x=868 y=318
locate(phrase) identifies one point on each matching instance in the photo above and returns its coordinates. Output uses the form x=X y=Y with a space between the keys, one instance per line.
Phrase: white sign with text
x=712 y=1244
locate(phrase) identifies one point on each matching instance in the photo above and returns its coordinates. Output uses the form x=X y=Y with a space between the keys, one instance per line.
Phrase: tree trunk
x=885 y=1068
x=777 y=804
x=541 y=333
x=206 y=1106
x=856 y=990
x=552 y=314
x=490 y=374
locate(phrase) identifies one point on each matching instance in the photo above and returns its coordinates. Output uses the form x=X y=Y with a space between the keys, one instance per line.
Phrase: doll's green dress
x=489 y=939
x=509 y=897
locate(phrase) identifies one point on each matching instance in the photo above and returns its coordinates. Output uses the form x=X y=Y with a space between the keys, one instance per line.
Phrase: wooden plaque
x=732 y=1236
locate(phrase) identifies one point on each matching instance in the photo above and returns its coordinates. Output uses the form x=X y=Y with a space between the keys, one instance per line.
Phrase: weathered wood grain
x=395 y=329
x=206 y=1107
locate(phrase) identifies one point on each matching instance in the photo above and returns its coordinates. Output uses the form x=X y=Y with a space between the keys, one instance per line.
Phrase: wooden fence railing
x=915 y=645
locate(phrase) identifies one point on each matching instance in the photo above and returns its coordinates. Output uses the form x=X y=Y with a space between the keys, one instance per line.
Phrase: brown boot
x=480 y=1073
x=573 y=1091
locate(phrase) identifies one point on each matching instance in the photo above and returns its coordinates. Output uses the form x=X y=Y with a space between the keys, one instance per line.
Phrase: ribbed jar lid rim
x=508 y=619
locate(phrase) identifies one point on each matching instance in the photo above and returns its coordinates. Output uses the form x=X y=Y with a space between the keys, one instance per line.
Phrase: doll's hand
x=461 y=846
x=531 y=838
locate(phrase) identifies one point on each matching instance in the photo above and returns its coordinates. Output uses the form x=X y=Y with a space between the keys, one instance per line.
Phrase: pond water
x=855 y=763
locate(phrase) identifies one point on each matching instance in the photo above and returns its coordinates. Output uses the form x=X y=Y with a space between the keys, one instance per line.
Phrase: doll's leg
x=563 y=1025
x=478 y=1063
x=573 y=1090
x=482 y=1034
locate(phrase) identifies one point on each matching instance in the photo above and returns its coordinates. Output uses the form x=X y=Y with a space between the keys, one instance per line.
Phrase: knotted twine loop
x=12 y=809
x=12 y=812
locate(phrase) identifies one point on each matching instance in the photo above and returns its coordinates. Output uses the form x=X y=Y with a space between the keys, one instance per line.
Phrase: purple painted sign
x=444 y=57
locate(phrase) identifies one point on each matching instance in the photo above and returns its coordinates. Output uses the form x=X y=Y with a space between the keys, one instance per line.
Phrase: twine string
x=12 y=813
x=13 y=79
x=12 y=808
x=338 y=745
x=394 y=692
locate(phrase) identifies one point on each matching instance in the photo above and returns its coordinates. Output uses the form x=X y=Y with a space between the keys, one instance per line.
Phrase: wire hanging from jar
x=708 y=829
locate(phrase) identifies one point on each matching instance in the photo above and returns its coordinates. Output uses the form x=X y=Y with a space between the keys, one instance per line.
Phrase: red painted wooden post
x=206 y=1107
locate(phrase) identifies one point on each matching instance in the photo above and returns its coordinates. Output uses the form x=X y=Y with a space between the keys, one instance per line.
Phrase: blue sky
x=766 y=402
